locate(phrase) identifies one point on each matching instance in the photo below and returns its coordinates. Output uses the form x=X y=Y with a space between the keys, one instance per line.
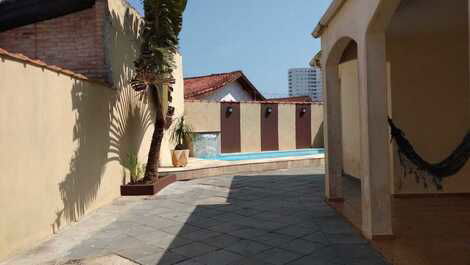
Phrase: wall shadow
x=111 y=121
x=91 y=134
x=319 y=140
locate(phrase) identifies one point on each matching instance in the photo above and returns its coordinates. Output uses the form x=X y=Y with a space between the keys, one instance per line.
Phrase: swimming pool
x=270 y=154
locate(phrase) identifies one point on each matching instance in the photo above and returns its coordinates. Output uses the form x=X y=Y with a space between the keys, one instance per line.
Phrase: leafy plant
x=155 y=65
x=181 y=131
x=136 y=170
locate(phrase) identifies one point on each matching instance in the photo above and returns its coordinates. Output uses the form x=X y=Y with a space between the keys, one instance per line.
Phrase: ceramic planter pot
x=179 y=157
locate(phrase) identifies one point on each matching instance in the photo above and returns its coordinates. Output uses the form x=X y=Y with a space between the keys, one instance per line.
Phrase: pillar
x=375 y=156
x=333 y=130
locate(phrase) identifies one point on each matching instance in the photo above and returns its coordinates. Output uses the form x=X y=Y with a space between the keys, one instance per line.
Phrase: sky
x=263 y=38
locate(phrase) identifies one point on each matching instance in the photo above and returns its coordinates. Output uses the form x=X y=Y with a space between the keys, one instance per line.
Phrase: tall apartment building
x=306 y=82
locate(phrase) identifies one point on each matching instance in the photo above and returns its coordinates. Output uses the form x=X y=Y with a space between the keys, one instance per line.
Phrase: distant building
x=306 y=82
x=227 y=87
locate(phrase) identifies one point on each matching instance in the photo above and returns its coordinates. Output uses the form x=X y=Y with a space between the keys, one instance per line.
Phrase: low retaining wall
x=258 y=126
x=252 y=167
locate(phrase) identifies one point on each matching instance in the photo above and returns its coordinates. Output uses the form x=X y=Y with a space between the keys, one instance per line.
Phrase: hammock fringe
x=413 y=163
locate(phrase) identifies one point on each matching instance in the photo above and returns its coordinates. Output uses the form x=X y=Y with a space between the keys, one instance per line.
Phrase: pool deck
x=272 y=218
x=198 y=168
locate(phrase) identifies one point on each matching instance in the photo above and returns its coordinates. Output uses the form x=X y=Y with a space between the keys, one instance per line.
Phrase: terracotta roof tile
x=22 y=58
x=198 y=86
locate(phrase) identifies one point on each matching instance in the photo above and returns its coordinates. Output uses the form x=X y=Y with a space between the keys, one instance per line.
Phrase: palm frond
x=163 y=23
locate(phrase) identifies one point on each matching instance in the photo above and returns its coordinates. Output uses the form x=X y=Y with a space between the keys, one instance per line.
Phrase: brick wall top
x=74 y=41
x=24 y=59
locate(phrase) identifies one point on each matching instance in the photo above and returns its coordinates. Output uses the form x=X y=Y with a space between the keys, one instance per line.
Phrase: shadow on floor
x=275 y=218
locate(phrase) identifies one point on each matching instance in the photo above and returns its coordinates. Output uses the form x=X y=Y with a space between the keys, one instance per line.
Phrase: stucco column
x=333 y=133
x=375 y=164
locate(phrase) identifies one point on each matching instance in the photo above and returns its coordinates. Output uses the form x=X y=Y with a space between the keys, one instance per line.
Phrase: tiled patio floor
x=274 y=218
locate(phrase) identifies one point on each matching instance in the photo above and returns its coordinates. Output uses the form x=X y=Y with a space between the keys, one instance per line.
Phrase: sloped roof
x=200 y=85
x=292 y=99
x=17 y=13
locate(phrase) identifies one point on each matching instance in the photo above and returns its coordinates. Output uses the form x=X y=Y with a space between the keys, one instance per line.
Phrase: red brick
x=74 y=41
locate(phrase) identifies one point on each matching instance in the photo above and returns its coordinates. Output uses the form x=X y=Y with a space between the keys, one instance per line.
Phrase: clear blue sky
x=263 y=38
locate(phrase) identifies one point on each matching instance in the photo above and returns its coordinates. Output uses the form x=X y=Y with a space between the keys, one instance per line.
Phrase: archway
x=342 y=112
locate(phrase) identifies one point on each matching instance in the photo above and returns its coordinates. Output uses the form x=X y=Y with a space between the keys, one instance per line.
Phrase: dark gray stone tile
x=295 y=231
x=194 y=249
x=273 y=239
x=301 y=246
x=247 y=247
x=220 y=257
x=200 y=235
x=317 y=237
x=221 y=241
x=227 y=227
x=346 y=239
x=249 y=261
x=315 y=260
x=167 y=258
x=277 y=256
x=247 y=233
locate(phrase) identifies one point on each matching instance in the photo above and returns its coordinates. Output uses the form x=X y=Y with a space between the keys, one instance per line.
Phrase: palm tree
x=155 y=66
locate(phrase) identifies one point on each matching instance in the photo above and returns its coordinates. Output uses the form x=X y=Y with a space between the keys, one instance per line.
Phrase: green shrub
x=136 y=170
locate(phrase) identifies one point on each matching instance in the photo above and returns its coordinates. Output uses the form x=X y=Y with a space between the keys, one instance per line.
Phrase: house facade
x=224 y=87
x=392 y=58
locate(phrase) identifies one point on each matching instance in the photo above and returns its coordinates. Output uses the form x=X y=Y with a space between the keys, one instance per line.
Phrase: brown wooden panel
x=303 y=125
x=269 y=128
x=230 y=127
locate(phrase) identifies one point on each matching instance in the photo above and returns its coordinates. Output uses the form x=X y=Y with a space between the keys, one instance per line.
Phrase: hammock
x=413 y=163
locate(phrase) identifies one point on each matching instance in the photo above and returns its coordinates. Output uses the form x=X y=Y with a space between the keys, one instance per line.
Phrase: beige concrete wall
x=286 y=116
x=350 y=118
x=317 y=126
x=68 y=139
x=250 y=123
x=204 y=116
x=178 y=104
x=428 y=53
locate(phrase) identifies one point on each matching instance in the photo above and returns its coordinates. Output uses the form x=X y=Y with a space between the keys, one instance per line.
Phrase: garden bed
x=147 y=189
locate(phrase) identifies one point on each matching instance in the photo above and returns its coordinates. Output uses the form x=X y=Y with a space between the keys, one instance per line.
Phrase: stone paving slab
x=272 y=218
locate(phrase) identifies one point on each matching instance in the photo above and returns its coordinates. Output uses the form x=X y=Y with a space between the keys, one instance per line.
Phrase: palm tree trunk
x=153 y=160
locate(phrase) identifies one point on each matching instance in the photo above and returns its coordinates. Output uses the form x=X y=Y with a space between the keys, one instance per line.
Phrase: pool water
x=270 y=154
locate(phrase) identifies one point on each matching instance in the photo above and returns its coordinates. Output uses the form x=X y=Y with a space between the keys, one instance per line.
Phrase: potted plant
x=181 y=134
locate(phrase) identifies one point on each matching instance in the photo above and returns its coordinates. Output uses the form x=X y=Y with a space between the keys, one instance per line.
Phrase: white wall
x=231 y=92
